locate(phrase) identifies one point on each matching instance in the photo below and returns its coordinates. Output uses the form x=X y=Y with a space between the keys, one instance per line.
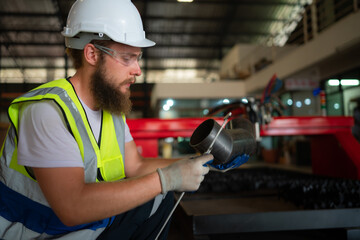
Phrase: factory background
x=292 y=67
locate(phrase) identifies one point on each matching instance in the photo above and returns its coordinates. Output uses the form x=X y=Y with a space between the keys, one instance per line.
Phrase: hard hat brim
x=143 y=43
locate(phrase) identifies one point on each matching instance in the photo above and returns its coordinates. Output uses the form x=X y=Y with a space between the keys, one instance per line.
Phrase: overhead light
x=226 y=101
x=334 y=82
x=307 y=101
x=170 y=102
x=304 y=2
x=344 y=82
x=166 y=107
x=184 y=0
x=349 y=82
x=169 y=140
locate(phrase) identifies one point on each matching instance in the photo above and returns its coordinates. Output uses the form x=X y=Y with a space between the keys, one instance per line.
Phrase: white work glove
x=184 y=175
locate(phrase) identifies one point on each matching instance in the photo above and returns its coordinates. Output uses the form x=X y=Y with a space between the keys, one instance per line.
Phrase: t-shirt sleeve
x=128 y=136
x=44 y=140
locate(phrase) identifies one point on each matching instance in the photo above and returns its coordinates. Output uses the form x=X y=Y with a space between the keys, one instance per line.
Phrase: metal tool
x=226 y=119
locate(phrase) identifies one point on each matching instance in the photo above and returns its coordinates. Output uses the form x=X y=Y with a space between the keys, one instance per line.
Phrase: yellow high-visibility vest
x=105 y=158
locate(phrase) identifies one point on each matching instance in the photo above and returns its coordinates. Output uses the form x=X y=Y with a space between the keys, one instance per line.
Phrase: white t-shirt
x=44 y=140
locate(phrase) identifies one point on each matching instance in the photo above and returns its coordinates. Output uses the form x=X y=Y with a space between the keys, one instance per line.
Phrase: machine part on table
x=304 y=190
x=267 y=199
x=229 y=143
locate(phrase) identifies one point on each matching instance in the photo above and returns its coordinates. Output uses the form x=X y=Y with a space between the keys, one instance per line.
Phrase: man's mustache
x=129 y=81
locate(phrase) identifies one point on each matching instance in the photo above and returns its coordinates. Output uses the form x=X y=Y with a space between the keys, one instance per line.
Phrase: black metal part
x=203 y=137
x=276 y=221
x=256 y=200
x=229 y=143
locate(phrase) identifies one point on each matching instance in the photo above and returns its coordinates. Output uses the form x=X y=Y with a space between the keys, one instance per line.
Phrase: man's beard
x=109 y=96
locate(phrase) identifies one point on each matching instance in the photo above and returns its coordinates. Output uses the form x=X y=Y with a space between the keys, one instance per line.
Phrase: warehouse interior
x=290 y=67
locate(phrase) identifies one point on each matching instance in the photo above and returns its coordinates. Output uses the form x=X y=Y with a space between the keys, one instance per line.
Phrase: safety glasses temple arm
x=106 y=50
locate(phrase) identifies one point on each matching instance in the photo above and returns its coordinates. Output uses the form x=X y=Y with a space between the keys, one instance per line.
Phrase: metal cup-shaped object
x=204 y=135
x=243 y=141
x=242 y=123
x=229 y=144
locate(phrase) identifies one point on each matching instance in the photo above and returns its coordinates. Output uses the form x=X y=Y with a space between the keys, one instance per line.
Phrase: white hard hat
x=118 y=20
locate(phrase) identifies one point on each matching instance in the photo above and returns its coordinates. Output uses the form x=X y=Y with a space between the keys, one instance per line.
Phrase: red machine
x=334 y=150
x=147 y=132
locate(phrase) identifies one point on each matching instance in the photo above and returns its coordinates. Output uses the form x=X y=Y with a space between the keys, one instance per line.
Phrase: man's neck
x=81 y=83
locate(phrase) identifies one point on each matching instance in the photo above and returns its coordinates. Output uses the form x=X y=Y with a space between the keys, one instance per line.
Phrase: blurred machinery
x=256 y=200
x=334 y=150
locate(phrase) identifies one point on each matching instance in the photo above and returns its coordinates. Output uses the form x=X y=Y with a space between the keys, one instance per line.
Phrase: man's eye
x=126 y=58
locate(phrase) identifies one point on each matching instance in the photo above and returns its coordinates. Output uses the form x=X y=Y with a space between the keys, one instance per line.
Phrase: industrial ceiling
x=191 y=37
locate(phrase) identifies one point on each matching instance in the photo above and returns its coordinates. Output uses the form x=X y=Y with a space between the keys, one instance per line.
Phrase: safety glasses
x=124 y=58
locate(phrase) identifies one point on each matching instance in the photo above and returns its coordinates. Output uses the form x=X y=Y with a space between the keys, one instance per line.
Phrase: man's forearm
x=148 y=165
x=76 y=202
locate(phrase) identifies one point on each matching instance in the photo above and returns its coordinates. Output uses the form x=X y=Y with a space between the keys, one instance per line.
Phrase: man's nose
x=136 y=69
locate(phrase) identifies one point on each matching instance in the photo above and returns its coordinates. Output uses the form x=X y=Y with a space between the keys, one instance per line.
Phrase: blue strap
x=39 y=218
x=236 y=162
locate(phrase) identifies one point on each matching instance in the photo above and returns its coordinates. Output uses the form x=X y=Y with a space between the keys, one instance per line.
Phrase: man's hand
x=185 y=174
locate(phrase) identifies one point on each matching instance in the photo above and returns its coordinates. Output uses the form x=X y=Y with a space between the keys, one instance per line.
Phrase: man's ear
x=91 y=54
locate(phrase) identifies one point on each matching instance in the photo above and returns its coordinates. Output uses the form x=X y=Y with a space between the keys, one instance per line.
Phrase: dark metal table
x=206 y=214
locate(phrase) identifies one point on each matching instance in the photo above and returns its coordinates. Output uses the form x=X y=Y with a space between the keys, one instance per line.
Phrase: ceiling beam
x=56 y=4
x=13 y=43
x=182 y=57
x=27 y=14
x=222 y=2
x=209 y=34
x=200 y=34
x=174 y=18
x=216 y=18
x=149 y=68
x=230 y=15
x=27 y=30
x=62 y=43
